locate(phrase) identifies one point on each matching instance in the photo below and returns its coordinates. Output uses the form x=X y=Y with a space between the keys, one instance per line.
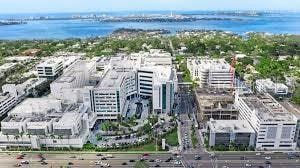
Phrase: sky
x=46 y=6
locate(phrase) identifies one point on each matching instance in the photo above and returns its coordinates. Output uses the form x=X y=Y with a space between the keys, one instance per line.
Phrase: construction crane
x=232 y=69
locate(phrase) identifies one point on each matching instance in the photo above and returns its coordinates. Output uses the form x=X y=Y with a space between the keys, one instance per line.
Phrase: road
x=58 y=160
x=231 y=160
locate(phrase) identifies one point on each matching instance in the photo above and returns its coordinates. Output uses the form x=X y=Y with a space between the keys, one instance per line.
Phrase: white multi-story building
x=128 y=77
x=8 y=99
x=154 y=56
x=76 y=76
x=268 y=86
x=110 y=95
x=50 y=69
x=275 y=127
x=211 y=72
x=158 y=82
x=38 y=122
x=225 y=132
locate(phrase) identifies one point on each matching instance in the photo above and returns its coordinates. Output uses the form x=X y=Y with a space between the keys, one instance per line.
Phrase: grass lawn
x=140 y=164
x=172 y=138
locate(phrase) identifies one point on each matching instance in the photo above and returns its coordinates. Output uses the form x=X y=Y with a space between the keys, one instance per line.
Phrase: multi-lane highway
x=86 y=160
x=220 y=160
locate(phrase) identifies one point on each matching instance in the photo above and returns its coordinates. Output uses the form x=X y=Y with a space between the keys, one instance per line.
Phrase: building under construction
x=217 y=104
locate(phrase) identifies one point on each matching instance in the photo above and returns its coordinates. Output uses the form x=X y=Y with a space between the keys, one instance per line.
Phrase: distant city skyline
x=48 y=6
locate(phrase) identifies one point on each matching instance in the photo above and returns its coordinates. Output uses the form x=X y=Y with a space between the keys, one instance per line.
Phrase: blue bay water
x=277 y=23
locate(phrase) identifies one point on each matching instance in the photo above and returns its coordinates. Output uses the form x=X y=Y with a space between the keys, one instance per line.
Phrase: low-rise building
x=230 y=132
x=38 y=122
x=268 y=86
x=50 y=69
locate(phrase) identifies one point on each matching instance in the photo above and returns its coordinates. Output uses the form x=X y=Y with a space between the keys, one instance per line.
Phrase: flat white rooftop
x=211 y=64
x=50 y=62
x=32 y=106
x=230 y=126
x=267 y=108
x=112 y=79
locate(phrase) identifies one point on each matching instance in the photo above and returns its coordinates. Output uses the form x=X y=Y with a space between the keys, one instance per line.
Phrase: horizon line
x=178 y=10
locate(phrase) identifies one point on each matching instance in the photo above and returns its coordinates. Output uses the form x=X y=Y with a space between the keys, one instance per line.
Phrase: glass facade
x=164 y=96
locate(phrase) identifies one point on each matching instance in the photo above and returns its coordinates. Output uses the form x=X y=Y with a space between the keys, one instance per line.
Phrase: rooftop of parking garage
x=267 y=108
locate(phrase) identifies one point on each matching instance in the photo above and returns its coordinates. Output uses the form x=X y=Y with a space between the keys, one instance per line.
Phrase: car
x=267 y=162
x=44 y=163
x=103 y=158
x=17 y=165
x=177 y=162
x=24 y=162
x=197 y=157
x=98 y=154
x=168 y=160
x=72 y=156
x=70 y=163
x=80 y=158
x=146 y=154
x=157 y=165
x=261 y=167
x=151 y=160
x=248 y=165
x=242 y=158
x=109 y=156
x=157 y=160
x=131 y=160
x=268 y=158
x=258 y=154
x=124 y=163
x=20 y=157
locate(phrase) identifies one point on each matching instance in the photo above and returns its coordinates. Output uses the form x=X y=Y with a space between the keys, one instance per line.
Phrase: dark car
x=124 y=163
x=151 y=160
x=70 y=163
x=99 y=154
x=242 y=158
x=131 y=160
x=197 y=157
x=267 y=162
x=157 y=165
x=44 y=163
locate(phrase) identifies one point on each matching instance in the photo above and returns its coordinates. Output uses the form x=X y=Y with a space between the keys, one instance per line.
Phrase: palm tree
x=29 y=136
x=61 y=138
x=21 y=135
x=53 y=137
x=17 y=139
x=7 y=136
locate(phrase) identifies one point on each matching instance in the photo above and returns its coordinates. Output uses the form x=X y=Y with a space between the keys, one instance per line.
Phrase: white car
x=248 y=165
x=258 y=154
x=177 y=162
x=268 y=158
x=157 y=160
